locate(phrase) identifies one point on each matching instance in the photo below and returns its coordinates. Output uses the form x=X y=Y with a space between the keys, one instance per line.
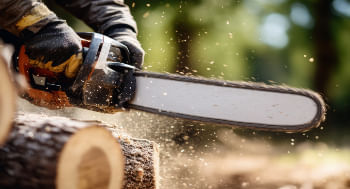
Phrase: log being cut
x=141 y=163
x=56 y=152
x=7 y=93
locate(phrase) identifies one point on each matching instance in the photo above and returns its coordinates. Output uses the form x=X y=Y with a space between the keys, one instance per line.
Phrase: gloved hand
x=55 y=46
x=127 y=37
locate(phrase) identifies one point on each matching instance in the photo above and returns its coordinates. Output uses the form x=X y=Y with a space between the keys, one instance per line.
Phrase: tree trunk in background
x=326 y=57
x=184 y=35
x=56 y=152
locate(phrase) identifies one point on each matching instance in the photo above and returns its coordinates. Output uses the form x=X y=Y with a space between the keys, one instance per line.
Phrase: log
x=7 y=93
x=141 y=162
x=57 y=152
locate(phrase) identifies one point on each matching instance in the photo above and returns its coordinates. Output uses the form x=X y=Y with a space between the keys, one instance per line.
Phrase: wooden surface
x=7 y=94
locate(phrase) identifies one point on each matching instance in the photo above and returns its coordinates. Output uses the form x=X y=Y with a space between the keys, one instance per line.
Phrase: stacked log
x=7 y=94
x=57 y=152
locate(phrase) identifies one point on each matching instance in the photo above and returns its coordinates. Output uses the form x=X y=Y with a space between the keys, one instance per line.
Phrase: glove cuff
x=34 y=20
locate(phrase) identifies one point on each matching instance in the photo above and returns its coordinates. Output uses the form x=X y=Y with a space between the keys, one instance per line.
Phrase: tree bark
x=7 y=93
x=57 y=152
x=141 y=163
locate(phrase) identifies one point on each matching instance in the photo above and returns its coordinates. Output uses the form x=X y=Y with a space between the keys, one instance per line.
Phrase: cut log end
x=91 y=159
x=56 y=152
x=7 y=100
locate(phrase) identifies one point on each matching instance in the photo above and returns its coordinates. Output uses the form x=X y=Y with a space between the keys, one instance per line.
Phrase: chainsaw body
x=103 y=83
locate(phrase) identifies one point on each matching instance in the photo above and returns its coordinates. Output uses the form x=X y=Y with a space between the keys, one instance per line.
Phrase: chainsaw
x=107 y=82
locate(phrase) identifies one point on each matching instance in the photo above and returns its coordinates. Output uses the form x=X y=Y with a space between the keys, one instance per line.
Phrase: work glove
x=50 y=43
x=127 y=37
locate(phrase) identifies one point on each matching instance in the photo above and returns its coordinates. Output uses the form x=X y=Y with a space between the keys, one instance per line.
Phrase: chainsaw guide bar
x=241 y=104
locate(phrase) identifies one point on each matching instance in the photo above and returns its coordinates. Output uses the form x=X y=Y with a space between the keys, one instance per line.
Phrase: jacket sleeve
x=11 y=11
x=101 y=15
x=24 y=16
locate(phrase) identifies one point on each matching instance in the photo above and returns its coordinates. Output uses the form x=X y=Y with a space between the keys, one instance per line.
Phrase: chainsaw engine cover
x=100 y=89
x=106 y=87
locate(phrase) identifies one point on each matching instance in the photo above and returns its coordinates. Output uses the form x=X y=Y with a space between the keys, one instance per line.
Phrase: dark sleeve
x=101 y=14
x=13 y=10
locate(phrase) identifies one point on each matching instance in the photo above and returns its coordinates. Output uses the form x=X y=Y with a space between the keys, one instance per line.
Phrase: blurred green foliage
x=274 y=41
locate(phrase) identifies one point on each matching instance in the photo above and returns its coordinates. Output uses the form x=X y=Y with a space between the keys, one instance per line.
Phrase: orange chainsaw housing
x=53 y=99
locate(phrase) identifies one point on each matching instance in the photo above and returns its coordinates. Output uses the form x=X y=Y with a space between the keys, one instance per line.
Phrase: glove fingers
x=136 y=52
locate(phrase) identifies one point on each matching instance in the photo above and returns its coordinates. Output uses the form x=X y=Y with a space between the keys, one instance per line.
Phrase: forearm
x=13 y=14
x=101 y=15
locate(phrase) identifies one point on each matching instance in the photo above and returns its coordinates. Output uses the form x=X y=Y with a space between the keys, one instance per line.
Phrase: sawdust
x=199 y=156
x=238 y=162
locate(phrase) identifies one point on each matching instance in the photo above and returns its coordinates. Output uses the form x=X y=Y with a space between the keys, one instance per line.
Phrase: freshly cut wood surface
x=7 y=94
x=57 y=152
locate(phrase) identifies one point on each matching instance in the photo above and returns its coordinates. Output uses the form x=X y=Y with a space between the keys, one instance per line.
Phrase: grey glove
x=128 y=37
x=49 y=42
x=56 y=47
